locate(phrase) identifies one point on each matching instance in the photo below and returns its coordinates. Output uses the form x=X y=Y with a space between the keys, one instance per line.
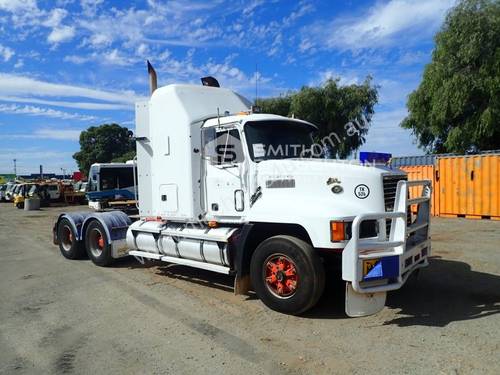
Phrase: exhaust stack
x=153 y=80
x=210 y=81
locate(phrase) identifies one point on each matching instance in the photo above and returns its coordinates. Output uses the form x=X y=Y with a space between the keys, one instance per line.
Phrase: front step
x=182 y=261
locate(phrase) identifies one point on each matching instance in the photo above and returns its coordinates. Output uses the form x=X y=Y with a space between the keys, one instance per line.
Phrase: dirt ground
x=61 y=316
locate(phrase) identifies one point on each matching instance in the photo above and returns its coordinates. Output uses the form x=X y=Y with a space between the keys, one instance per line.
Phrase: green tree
x=101 y=144
x=456 y=108
x=342 y=113
x=125 y=157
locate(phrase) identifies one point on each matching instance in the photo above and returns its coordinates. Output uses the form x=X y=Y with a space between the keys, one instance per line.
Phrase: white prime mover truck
x=231 y=191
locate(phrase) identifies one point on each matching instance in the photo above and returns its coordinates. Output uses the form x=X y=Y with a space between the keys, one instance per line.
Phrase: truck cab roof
x=247 y=117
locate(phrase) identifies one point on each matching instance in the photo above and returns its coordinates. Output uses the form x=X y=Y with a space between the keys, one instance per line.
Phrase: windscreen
x=116 y=178
x=278 y=139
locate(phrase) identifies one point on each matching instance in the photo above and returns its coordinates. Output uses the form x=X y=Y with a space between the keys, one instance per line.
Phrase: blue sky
x=66 y=65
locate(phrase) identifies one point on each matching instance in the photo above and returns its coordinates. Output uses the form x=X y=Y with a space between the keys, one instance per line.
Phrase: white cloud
x=17 y=85
x=413 y=57
x=58 y=134
x=61 y=34
x=6 y=53
x=303 y=9
x=252 y=6
x=385 y=134
x=382 y=25
x=112 y=57
x=66 y=104
x=30 y=110
x=29 y=159
x=344 y=79
x=55 y=17
x=47 y=133
x=89 y=7
x=17 y=5
x=142 y=49
x=77 y=59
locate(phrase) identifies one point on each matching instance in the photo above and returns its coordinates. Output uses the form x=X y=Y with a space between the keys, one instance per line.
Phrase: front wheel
x=287 y=274
x=97 y=244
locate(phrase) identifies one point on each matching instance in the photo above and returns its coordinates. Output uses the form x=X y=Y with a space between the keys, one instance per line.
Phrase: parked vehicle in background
x=15 y=191
x=3 y=188
x=21 y=194
x=109 y=182
x=54 y=190
x=84 y=187
x=9 y=191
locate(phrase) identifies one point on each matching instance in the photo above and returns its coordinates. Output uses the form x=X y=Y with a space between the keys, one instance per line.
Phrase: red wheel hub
x=100 y=242
x=281 y=275
x=70 y=237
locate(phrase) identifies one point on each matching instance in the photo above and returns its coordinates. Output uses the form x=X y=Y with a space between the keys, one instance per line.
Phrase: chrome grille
x=390 y=187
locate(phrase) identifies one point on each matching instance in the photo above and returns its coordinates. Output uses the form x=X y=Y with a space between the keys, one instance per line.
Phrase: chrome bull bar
x=384 y=263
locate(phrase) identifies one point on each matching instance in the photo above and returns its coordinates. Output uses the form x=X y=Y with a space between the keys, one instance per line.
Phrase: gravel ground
x=61 y=316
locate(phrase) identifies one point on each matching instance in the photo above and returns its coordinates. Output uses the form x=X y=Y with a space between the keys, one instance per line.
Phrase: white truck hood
x=293 y=188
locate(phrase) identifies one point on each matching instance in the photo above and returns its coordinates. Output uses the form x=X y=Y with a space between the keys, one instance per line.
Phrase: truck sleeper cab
x=243 y=194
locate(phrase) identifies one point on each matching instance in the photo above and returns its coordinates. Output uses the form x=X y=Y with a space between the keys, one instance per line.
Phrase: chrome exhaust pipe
x=153 y=80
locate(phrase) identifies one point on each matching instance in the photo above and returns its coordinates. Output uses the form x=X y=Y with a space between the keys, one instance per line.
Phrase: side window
x=228 y=147
x=222 y=147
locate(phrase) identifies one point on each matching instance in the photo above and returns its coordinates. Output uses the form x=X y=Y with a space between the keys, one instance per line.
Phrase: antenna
x=15 y=168
x=256 y=83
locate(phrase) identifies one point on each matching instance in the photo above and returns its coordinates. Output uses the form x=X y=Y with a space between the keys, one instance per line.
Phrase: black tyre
x=287 y=274
x=96 y=244
x=20 y=205
x=69 y=246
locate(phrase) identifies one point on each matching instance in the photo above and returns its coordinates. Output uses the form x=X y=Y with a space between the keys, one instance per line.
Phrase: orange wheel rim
x=281 y=275
x=100 y=242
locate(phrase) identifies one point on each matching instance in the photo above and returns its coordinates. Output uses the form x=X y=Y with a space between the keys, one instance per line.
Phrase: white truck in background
x=216 y=195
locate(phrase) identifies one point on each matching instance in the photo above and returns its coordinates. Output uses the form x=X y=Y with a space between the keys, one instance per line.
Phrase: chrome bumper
x=384 y=263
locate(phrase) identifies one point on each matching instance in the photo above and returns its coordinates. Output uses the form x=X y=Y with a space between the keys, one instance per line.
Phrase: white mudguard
x=362 y=304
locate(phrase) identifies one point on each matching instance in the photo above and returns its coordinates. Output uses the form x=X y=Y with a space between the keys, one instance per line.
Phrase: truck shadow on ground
x=179 y=272
x=445 y=292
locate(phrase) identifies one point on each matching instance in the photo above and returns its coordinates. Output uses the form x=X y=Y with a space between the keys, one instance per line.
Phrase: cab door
x=224 y=164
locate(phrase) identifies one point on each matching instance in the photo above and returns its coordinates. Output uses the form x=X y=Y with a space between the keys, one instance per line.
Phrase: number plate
x=368 y=265
x=381 y=268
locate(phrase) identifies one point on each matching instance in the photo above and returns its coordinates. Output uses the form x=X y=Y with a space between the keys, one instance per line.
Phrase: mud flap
x=362 y=304
x=242 y=284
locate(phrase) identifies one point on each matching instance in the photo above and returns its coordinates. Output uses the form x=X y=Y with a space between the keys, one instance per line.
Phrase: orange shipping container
x=469 y=186
x=423 y=172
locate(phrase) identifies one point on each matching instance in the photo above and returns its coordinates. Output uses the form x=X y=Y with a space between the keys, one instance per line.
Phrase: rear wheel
x=287 y=274
x=97 y=244
x=69 y=246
